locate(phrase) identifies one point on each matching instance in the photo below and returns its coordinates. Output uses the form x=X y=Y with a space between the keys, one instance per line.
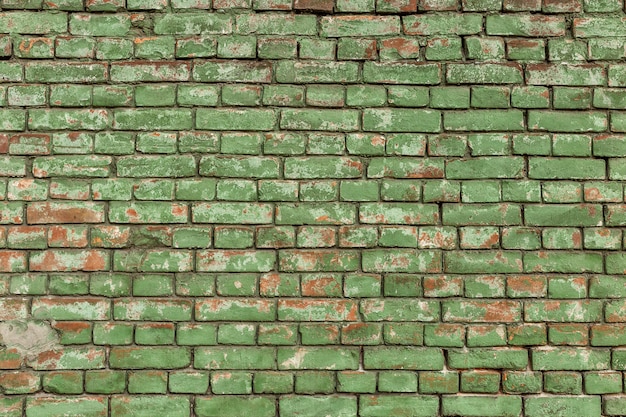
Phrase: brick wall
x=227 y=208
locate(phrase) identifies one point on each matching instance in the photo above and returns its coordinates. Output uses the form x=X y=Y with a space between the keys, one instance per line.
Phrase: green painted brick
x=382 y=260
x=614 y=406
x=235 y=261
x=522 y=382
x=532 y=97
x=228 y=119
x=411 y=358
x=444 y=48
x=147 y=358
x=562 y=406
x=442 y=24
x=308 y=406
x=113 y=48
x=193 y=24
x=329 y=120
x=563 y=215
x=509 y=406
x=147 y=405
x=276 y=24
x=526 y=25
x=149 y=119
x=64 y=382
x=402 y=73
x=105 y=382
x=496 y=358
x=376 y=405
x=401 y=120
x=234 y=358
x=52 y=72
x=484 y=73
x=33 y=22
x=99 y=25
x=554 y=121
x=316 y=71
x=341 y=26
x=251 y=207
x=398 y=213
x=48 y=406
x=450 y=97
x=147 y=71
x=481 y=214
x=484 y=120
x=400 y=310
x=574 y=311
x=253 y=166
x=561 y=168
x=156 y=166
x=229 y=406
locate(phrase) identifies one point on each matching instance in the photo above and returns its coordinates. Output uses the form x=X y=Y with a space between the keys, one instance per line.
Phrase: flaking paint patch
x=28 y=337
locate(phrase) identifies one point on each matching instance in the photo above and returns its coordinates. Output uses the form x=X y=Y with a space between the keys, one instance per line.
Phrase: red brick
x=69 y=260
x=13 y=308
x=316 y=5
x=12 y=261
x=52 y=212
x=67 y=237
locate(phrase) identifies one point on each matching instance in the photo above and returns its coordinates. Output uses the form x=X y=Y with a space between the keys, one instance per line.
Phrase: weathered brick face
x=347 y=208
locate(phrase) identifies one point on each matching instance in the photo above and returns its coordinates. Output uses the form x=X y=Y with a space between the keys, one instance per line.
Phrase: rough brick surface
x=264 y=208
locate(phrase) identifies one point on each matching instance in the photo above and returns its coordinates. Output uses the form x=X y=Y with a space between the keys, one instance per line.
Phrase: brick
x=53 y=72
x=574 y=311
x=342 y=26
x=398 y=213
x=581 y=122
x=89 y=406
x=526 y=25
x=316 y=71
x=491 y=358
x=482 y=311
x=565 y=74
x=99 y=25
x=33 y=22
x=69 y=358
x=330 y=120
x=484 y=120
x=510 y=405
x=401 y=261
x=408 y=358
x=70 y=260
x=375 y=405
x=427 y=190
x=509 y=73
x=401 y=120
x=614 y=405
x=149 y=358
x=75 y=212
x=149 y=72
x=442 y=24
x=402 y=73
x=276 y=24
x=393 y=310
x=70 y=309
x=563 y=215
x=317 y=310
x=317 y=260
x=229 y=406
x=235 y=261
x=308 y=406
x=148 y=119
x=315 y=213
x=562 y=406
